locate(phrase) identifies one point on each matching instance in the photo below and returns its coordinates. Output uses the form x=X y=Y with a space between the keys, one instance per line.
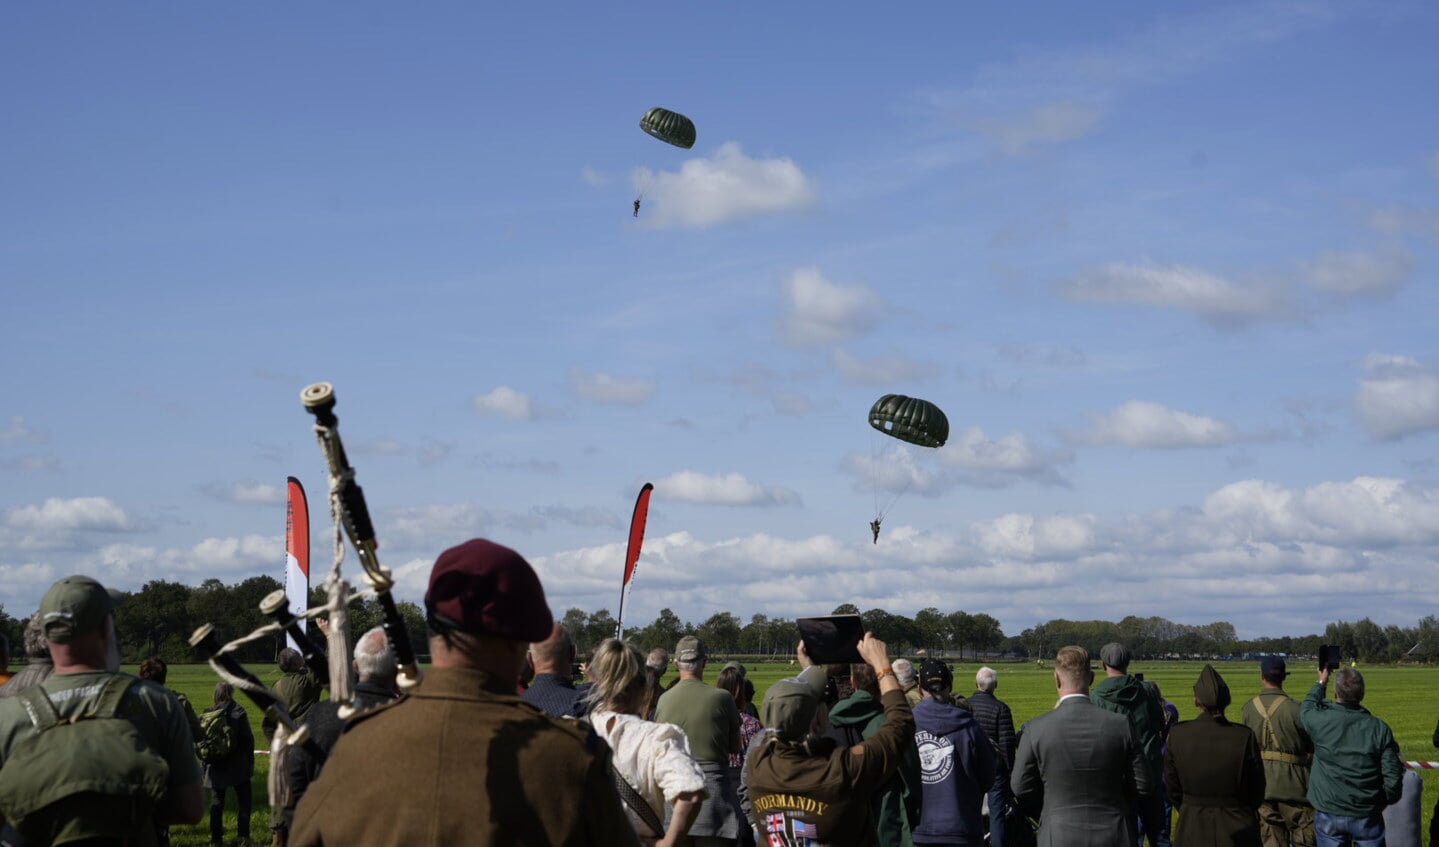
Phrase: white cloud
x=1054 y=95
x=1150 y=426
x=728 y=186
x=506 y=402
x=1353 y=274
x=247 y=492
x=1048 y=123
x=1364 y=512
x=588 y=516
x=1400 y=220
x=818 y=312
x=722 y=490
x=128 y=566
x=1028 y=537
x=1398 y=397
x=594 y=178
x=19 y=431
x=421 y=526
x=881 y=370
x=78 y=514
x=1000 y=460
x=605 y=388
x=1213 y=298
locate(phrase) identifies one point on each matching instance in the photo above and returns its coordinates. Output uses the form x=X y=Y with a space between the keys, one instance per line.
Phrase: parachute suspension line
x=895 y=499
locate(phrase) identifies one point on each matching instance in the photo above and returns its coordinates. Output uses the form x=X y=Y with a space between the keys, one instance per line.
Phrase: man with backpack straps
x=93 y=753
x=227 y=748
x=1285 y=817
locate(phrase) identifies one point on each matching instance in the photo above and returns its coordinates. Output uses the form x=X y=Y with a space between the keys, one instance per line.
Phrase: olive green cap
x=75 y=606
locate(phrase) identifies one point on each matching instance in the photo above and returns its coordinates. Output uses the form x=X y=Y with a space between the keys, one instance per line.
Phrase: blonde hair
x=618 y=670
x=1072 y=666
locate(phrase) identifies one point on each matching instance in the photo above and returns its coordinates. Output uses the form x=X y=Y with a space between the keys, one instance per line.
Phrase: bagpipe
x=350 y=516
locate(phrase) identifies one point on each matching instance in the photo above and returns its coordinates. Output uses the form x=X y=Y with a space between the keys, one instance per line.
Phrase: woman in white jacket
x=653 y=758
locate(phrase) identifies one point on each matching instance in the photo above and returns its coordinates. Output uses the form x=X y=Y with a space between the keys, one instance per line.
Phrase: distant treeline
x=159 y=618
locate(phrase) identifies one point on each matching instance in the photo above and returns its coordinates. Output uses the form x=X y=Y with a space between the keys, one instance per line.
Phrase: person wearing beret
x=1213 y=773
x=462 y=761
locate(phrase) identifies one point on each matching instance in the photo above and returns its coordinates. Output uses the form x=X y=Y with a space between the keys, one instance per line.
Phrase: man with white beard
x=89 y=725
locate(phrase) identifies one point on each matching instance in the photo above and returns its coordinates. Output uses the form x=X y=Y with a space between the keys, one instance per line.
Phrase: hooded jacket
x=957 y=767
x=1130 y=697
x=896 y=803
x=822 y=795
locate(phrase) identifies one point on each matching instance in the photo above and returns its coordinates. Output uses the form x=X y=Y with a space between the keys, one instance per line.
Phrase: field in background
x=1402 y=697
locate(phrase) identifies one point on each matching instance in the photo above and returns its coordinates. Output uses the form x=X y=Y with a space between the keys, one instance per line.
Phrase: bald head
x=374 y=660
x=555 y=654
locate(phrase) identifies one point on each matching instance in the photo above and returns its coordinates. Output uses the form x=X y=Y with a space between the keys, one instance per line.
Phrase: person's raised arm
x=879 y=755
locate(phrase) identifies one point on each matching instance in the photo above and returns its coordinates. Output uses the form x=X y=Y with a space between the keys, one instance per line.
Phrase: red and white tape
x=1422 y=766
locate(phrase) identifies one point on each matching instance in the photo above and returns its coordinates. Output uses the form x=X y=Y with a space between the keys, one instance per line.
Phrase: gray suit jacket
x=1083 y=766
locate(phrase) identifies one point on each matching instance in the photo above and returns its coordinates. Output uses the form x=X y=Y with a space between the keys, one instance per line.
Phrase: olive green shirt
x=708 y=716
x=1286 y=775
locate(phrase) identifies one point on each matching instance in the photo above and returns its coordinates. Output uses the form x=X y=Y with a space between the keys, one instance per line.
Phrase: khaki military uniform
x=462 y=761
x=1285 y=817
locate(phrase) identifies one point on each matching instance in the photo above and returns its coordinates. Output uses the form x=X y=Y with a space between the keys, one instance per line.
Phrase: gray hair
x=658 y=660
x=1349 y=686
x=903 y=672
x=37 y=646
x=373 y=657
x=691 y=667
x=985 y=679
x=224 y=692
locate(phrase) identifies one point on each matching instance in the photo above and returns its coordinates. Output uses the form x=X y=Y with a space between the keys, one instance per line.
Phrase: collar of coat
x=464 y=684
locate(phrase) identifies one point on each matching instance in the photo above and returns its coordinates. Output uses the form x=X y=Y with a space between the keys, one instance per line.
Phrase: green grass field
x=1402 y=697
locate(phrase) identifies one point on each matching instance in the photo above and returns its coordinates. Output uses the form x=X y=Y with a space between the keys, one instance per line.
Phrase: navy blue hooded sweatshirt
x=956 y=763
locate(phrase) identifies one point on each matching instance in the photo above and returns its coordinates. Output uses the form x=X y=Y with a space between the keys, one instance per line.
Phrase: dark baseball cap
x=935 y=676
x=75 y=606
x=483 y=588
x=1273 y=667
x=790 y=704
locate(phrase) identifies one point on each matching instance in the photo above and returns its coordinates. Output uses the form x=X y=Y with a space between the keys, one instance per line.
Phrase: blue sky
x=1169 y=270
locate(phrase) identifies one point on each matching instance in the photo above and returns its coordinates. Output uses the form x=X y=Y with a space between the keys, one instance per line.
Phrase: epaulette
x=366 y=714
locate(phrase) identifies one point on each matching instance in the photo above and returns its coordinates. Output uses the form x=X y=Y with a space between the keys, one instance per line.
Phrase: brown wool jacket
x=828 y=798
x=459 y=762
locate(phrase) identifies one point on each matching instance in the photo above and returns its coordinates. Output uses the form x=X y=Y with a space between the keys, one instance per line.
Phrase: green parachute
x=669 y=127
x=908 y=419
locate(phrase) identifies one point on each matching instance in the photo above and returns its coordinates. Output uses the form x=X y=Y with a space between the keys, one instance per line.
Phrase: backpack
x=216 y=739
x=96 y=761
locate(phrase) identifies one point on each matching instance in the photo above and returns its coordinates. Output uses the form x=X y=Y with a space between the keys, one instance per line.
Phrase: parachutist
x=637 y=207
x=874 y=528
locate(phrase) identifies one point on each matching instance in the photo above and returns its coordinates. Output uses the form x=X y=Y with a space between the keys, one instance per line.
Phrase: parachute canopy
x=669 y=127
x=910 y=419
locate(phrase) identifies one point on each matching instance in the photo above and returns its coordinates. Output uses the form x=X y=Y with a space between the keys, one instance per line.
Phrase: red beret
x=483 y=588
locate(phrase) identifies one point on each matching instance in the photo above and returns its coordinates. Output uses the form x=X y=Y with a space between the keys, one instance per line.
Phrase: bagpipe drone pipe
x=347 y=503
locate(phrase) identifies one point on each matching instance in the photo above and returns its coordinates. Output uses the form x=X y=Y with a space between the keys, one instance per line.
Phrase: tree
x=845 y=609
x=720 y=633
x=930 y=626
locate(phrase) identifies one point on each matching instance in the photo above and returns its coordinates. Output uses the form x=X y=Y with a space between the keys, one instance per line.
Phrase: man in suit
x=1080 y=766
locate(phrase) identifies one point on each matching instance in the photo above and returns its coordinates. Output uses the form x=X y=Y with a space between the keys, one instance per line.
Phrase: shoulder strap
x=114 y=692
x=40 y=708
x=637 y=803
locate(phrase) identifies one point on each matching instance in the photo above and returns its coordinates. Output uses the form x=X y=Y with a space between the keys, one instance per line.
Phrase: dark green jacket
x=896 y=803
x=1131 y=698
x=1357 y=771
x=298 y=691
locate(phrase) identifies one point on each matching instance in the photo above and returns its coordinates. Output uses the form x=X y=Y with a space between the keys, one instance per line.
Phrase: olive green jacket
x=1283 y=744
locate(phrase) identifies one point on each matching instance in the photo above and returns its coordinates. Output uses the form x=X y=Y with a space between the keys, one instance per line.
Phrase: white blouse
x=654 y=757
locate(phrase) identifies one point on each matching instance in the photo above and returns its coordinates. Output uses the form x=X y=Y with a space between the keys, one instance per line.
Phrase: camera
x=1329 y=657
